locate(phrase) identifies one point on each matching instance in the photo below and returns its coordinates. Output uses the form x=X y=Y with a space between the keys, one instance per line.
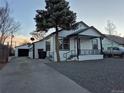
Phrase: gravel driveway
x=101 y=76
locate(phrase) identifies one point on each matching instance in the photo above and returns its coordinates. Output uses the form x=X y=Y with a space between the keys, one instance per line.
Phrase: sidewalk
x=24 y=76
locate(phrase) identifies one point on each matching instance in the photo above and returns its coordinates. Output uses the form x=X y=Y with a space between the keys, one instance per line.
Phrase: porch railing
x=72 y=53
x=89 y=52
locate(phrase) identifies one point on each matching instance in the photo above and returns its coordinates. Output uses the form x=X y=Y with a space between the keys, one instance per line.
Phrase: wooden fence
x=4 y=53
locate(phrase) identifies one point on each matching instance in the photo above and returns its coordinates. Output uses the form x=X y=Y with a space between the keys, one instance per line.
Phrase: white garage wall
x=20 y=47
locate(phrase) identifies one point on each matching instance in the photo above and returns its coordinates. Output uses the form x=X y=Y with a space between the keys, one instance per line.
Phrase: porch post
x=101 y=45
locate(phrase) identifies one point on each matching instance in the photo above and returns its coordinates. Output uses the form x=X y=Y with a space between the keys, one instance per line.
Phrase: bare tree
x=110 y=28
x=38 y=35
x=7 y=24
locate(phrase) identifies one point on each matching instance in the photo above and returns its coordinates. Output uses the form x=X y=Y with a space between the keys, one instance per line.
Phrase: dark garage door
x=23 y=52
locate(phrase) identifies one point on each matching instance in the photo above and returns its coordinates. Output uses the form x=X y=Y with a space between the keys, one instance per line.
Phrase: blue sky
x=92 y=12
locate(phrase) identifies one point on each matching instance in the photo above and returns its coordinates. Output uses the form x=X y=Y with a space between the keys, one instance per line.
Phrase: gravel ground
x=101 y=76
x=2 y=65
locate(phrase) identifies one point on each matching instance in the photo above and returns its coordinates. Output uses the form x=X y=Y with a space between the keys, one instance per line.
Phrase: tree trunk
x=57 y=45
x=1 y=39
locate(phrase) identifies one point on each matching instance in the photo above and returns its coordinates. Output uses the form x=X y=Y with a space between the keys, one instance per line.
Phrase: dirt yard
x=100 y=76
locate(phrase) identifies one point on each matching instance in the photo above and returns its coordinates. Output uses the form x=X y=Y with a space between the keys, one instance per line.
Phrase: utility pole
x=11 y=44
x=12 y=36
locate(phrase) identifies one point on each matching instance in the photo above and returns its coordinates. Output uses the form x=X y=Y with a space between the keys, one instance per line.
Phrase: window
x=95 y=44
x=64 y=44
x=115 y=48
x=47 y=46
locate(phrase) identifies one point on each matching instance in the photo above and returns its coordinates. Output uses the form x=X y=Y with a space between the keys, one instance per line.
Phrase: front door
x=95 y=44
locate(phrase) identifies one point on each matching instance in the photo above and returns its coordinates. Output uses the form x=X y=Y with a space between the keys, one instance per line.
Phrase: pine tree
x=57 y=14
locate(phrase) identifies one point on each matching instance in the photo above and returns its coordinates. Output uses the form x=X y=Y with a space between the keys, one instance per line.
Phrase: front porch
x=80 y=49
x=84 y=47
x=81 y=45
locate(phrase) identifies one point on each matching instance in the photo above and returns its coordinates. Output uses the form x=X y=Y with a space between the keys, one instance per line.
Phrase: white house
x=112 y=41
x=81 y=43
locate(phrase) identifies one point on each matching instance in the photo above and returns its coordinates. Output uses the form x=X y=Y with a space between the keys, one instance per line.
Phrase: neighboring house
x=80 y=43
x=112 y=41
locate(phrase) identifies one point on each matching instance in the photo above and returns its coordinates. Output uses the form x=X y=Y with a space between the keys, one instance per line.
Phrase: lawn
x=101 y=76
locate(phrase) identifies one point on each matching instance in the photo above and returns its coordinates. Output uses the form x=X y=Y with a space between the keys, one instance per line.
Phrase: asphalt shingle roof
x=117 y=39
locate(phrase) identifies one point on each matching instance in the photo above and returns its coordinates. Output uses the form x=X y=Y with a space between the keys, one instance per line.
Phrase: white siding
x=52 y=43
x=64 y=33
x=73 y=43
x=90 y=32
x=90 y=57
x=61 y=53
x=81 y=26
x=42 y=45
x=39 y=45
x=85 y=43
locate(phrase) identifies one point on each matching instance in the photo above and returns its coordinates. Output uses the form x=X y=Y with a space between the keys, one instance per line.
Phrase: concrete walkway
x=23 y=75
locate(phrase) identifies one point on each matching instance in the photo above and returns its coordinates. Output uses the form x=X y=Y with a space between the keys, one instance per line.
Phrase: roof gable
x=90 y=31
x=80 y=24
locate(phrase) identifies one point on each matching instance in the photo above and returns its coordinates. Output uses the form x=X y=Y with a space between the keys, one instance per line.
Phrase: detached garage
x=22 y=51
